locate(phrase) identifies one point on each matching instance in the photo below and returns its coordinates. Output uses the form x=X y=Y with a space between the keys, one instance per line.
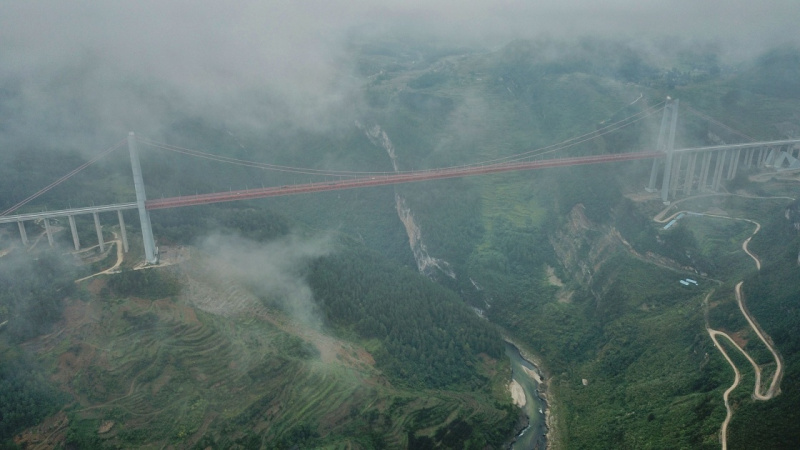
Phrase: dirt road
x=774 y=387
x=737 y=377
x=120 y=257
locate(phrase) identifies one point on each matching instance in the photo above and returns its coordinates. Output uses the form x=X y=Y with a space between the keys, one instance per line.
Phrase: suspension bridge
x=679 y=169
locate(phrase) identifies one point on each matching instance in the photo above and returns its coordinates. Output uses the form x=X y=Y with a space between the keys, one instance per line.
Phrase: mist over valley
x=399 y=225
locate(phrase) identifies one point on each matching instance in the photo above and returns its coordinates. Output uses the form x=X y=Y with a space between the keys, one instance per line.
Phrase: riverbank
x=517 y=393
x=532 y=368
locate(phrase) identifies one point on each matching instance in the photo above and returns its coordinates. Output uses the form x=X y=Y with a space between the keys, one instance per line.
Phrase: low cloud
x=81 y=74
x=274 y=270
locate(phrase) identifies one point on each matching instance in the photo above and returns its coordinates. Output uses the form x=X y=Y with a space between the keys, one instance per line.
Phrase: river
x=535 y=436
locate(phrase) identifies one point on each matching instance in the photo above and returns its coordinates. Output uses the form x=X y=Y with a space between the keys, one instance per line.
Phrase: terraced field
x=216 y=366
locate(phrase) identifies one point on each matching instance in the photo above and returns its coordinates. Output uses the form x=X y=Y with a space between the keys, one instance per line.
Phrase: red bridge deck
x=380 y=180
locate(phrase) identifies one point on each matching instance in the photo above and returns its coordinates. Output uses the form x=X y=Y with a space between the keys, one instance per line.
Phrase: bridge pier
x=734 y=164
x=122 y=231
x=48 y=231
x=786 y=161
x=672 y=106
x=718 y=170
x=651 y=186
x=717 y=162
x=144 y=217
x=74 y=230
x=687 y=187
x=667 y=177
x=661 y=145
x=770 y=158
x=702 y=184
x=99 y=232
x=22 y=233
x=676 y=176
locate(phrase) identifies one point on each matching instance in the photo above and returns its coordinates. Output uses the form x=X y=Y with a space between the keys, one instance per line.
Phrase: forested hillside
x=304 y=321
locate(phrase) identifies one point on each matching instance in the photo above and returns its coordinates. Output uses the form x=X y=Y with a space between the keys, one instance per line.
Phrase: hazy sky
x=70 y=62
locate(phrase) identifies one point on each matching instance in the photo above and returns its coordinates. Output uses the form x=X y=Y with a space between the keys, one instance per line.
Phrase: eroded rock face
x=427 y=264
x=582 y=247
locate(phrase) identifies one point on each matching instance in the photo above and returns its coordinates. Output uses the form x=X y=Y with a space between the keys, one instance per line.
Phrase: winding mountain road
x=774 y=387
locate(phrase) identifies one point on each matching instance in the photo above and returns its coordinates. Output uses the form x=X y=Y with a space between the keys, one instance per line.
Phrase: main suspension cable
x=343 y=173
x=63 y=179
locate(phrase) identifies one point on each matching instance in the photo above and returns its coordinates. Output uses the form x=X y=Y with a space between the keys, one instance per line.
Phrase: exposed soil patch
x=105 y=427
x=49 y=434
x=565 y=296
x=738 y=337
x=552 y=278
x=96 y=285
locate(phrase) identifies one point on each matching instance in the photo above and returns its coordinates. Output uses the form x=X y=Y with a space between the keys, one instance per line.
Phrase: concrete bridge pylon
x=672 y=110
x=150 y=250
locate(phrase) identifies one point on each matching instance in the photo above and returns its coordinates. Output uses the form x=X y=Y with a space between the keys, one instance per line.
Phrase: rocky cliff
x=582 y=247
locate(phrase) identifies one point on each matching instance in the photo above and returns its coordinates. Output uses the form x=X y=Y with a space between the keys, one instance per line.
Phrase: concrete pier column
x=772 y=153
x=718 y=169
x=667 y=177
x=651 y=187
x=74 y=230
x=48 y=231
x=748 y=158
x=122 y=231
x=665 y=185
x=760 y=159
x=687 y=186
x=729 y=175
x=702 y=185
x=22 y=233
x=676 y=175
x=661 y=145
x=734 y=163
x=99 y=232
x=717 y=162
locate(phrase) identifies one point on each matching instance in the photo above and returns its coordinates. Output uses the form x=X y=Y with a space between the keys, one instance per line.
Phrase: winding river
x=535 y=435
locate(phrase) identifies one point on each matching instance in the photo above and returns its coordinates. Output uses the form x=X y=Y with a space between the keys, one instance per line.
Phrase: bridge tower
x=672 y=108
x=150 y=250
x=666 y=144
x=660 y=146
